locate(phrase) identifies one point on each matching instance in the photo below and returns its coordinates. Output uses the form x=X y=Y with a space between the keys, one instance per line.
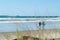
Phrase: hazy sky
x=30 y=7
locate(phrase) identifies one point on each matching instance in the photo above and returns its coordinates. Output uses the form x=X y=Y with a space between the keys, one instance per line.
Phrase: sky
x=30 y=7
